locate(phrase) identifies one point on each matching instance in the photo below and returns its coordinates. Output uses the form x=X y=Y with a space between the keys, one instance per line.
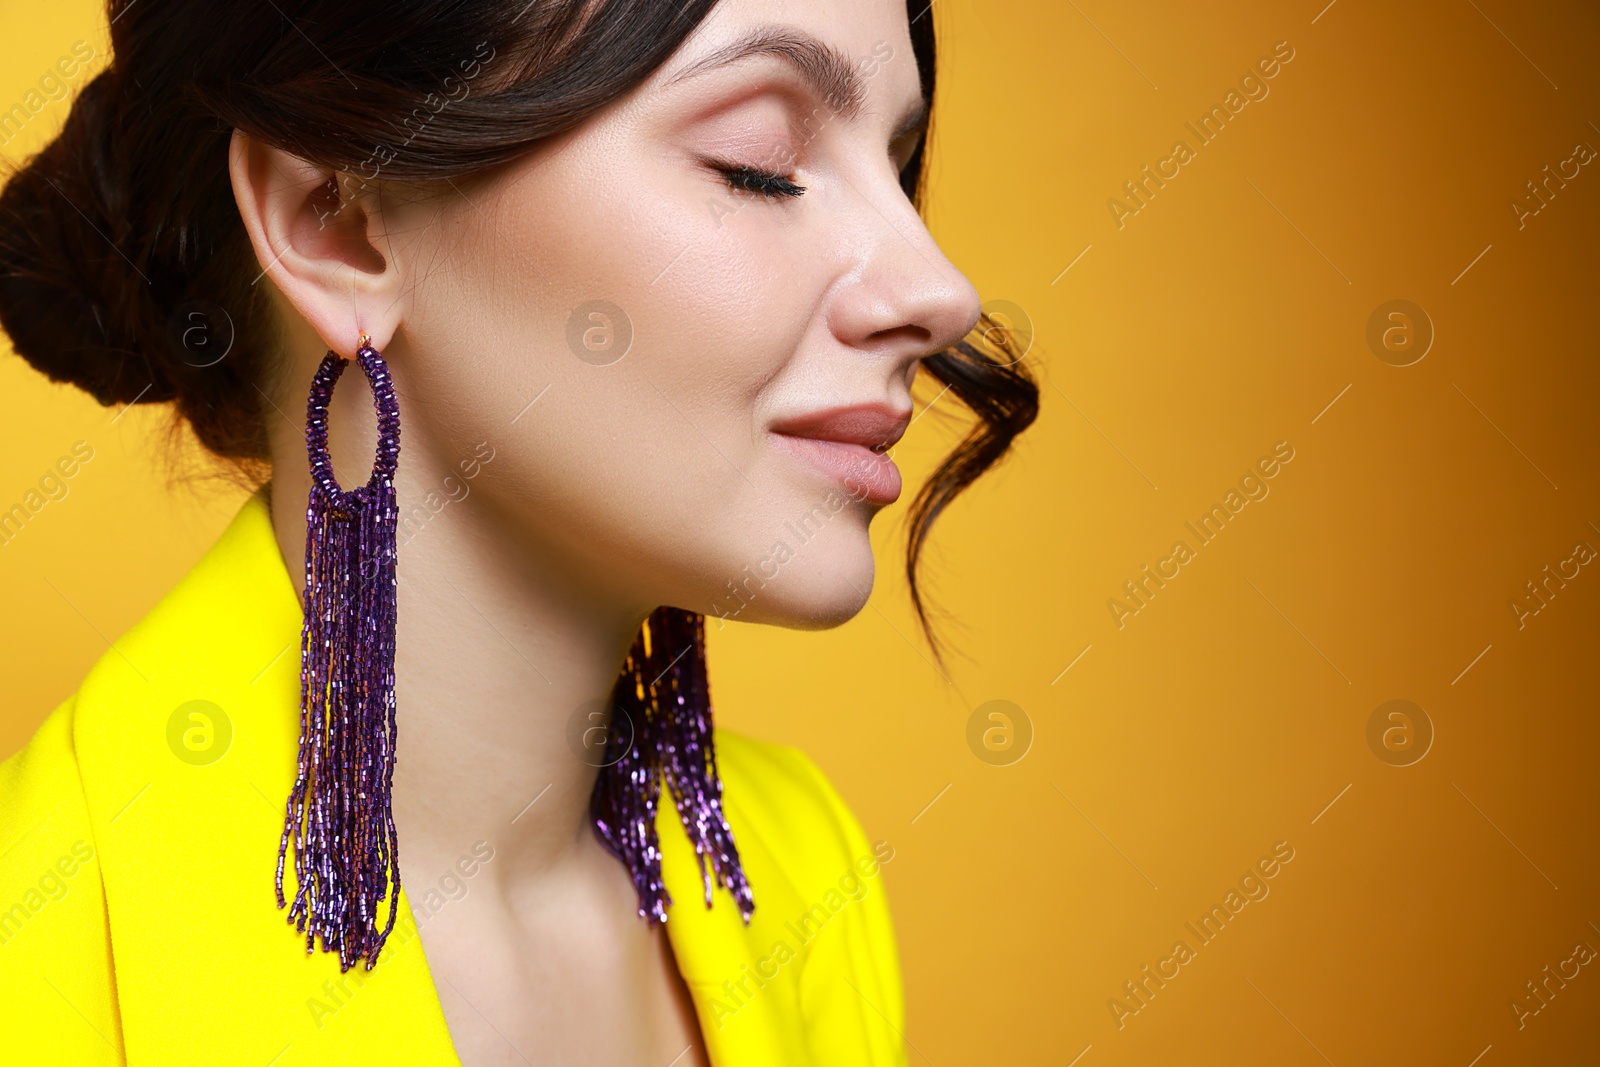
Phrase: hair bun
x=72 y=297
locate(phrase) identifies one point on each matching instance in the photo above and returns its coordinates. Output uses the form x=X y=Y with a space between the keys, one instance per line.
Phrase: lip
x=874 y=426
x=848 y=445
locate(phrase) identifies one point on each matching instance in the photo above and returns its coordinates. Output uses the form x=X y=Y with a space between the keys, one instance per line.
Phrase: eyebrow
x=827 y=71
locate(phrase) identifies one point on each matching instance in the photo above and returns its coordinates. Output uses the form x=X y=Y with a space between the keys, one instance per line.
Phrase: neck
x=499 y=650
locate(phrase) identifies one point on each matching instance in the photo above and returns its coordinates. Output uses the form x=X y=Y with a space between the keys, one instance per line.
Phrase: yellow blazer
x=139 y=835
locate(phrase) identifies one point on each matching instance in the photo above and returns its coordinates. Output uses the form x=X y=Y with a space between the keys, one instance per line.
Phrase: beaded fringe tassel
x=664 y=693
x=338 y=818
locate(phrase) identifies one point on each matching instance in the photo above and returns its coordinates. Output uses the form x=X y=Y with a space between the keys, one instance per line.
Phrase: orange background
x=1231 y=711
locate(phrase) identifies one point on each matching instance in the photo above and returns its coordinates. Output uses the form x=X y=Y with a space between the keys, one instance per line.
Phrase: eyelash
x=760 y=182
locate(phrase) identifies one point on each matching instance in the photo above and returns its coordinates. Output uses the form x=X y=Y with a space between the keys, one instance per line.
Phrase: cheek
x=619 y=351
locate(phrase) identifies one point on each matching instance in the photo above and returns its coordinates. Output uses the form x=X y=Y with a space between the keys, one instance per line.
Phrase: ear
x=319 y=235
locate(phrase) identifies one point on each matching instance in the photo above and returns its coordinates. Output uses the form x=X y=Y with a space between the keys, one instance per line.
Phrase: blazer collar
x=187 y=740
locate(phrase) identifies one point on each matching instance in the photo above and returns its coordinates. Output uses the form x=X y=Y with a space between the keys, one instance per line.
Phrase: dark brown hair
x=125 y=225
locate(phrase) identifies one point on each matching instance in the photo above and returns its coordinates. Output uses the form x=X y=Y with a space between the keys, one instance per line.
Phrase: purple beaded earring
x=346 y=855
x=663 y=696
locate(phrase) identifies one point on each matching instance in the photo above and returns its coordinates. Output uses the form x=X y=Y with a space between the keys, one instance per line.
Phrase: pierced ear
x=319 y=235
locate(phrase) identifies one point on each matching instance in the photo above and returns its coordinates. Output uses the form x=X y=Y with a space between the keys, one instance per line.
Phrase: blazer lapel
x=745 y=1017
x=188 y=743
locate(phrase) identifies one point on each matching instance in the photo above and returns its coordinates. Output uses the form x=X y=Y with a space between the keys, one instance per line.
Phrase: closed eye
x=755 y=180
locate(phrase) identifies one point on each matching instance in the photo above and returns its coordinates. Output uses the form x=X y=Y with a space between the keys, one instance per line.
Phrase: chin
x=812 y=590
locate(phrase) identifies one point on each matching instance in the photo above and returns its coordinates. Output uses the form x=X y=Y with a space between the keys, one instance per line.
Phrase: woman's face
x=629 y=333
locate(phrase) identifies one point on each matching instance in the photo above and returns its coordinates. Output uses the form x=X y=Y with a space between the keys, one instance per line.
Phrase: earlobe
x=316 y=233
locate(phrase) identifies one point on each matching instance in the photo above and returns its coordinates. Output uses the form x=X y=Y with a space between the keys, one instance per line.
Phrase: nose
x=901 y=298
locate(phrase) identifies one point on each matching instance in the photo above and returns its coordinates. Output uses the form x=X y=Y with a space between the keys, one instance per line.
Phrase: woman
x=645 y=285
